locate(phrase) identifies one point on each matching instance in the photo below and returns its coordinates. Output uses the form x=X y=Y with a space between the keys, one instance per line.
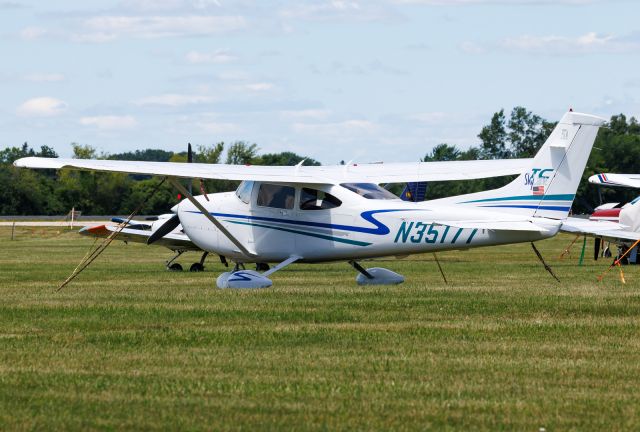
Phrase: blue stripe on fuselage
x=380 y=228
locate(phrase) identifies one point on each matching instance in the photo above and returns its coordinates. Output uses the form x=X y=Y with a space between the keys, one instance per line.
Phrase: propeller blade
x=189 y=160
x=164 y=229
x=596 y=248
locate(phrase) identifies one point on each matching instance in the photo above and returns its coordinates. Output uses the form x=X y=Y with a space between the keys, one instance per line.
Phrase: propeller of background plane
x=164 y=229
x=173 y=222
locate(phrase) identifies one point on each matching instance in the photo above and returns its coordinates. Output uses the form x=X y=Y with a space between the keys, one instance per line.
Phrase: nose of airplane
x=174 y=209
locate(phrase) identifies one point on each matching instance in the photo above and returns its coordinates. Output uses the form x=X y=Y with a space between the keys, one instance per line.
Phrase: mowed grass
x=129 y=345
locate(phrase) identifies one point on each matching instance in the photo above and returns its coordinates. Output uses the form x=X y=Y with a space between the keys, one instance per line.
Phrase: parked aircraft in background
x=617 y=223
x=616 y=180
x=142 y=231
x=340 y=213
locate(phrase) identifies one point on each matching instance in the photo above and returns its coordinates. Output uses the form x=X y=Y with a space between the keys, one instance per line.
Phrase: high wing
x=605 y=229
x=173 y=241
x=616 y=180
x=330 y=174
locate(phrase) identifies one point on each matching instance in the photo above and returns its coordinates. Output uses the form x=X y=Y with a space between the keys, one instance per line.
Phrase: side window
x=244 y=191
x=271 y=195
x=313 y=199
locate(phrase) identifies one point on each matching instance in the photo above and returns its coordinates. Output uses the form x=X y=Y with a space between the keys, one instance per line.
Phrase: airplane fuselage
x=357 y=228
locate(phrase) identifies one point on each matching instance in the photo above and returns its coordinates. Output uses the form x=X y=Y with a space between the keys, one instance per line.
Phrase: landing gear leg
x=171 y=266
x=199 y=266
x=361 y=269
x=262 y=267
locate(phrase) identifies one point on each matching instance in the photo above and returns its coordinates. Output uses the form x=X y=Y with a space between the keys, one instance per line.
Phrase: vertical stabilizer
x=547 y=188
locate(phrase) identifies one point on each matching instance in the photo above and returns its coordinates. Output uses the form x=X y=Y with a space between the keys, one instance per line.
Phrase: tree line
x=520 y=134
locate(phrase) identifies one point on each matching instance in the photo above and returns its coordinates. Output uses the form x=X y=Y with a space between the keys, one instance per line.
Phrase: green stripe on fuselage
x=560 y=197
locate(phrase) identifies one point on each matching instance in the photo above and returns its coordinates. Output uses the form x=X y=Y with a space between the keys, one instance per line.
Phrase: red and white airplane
x=616 y=223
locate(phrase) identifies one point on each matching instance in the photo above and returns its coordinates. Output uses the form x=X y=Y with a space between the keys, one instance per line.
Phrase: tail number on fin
x=420 y=232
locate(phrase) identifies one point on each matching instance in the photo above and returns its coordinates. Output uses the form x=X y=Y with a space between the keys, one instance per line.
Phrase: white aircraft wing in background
x=608 y=230
x=334 y=174
x=616 y=180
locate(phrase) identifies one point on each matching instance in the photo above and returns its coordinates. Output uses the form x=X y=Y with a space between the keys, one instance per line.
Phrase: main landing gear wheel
x=196 y=267
x=175 y=267
x=262 y=267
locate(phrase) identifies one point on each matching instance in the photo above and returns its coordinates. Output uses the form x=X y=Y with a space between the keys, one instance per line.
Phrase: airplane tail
x=547 y=188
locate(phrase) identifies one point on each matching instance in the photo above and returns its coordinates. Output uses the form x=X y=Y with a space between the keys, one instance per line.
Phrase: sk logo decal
x=537 y=176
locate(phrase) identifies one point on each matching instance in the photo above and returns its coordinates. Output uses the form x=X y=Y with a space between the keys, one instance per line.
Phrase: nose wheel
x=171 y=266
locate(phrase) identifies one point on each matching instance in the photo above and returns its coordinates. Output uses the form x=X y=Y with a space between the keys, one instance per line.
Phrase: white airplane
x=339 y=213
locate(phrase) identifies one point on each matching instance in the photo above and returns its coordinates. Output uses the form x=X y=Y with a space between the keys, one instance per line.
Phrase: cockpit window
x=369 y=191
x=313 y=199
x=277 y=196
x=244 y=191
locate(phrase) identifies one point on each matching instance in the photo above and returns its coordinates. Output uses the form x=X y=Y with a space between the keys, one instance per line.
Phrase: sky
x=362 y=81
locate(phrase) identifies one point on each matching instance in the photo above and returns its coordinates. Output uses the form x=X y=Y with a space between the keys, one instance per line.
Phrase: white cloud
x=496 y=2
x=33 y=33
x=430 y=118
x=258 y=87
x=307 y=114
x=41 y=107
x=337 y=128
x=331 y=10
x=42 y=77
x=168 y=5
x=216 y=57
x=174 y=100
x=106 y=28
x=588 y=43
x=219 y=127
x=110 y=122
x=471 y=48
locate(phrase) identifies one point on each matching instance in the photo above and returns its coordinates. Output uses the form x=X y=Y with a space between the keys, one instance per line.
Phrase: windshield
x=369 y=191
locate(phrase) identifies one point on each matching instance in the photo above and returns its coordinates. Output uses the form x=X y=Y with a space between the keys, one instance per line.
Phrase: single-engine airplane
x=340 y=213
x=147 y=232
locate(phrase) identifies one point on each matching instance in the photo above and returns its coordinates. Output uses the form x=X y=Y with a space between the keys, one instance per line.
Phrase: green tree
x=286 y=158
x=443 y=152
x=242 y=153
x=527 y=132
x=151 y=155
x=494 y=138
x=209 y=154
x=83 y=151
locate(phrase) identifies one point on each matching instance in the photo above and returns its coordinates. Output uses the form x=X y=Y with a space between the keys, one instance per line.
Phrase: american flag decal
x=538 y=190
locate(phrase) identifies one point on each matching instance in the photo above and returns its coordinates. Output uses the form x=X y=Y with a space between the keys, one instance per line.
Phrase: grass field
x=129 y=345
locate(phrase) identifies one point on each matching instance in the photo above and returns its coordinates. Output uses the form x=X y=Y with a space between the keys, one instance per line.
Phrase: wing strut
x=208 y=215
